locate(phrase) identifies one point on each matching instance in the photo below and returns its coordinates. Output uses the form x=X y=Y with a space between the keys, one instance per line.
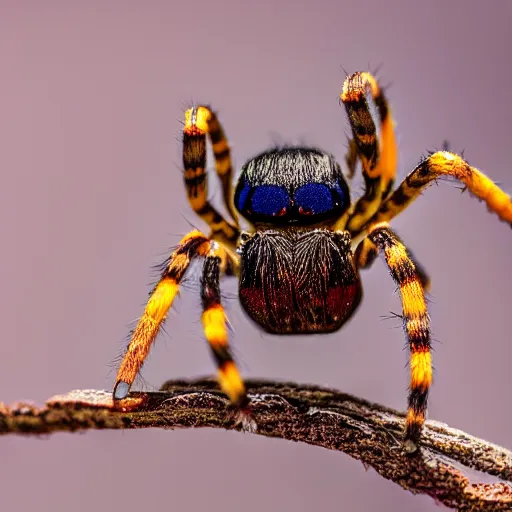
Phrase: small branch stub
x=368 y=432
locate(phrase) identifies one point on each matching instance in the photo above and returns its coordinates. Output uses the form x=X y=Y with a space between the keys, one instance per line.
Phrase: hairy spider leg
x=215 y=323
x=200 y=121
x=351 y=158
x=378 y=154
x=191 y=246
x=415 y=317
x=367 y=252
x=160 y=300
x=439 y=165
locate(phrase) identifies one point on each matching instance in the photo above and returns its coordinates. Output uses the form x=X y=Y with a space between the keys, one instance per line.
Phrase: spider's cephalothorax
x=292 y=185
x=296 y=268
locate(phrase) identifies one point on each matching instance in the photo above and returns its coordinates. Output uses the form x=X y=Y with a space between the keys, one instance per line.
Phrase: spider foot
x=121 y=390
x=245 y=420
x=410 y=447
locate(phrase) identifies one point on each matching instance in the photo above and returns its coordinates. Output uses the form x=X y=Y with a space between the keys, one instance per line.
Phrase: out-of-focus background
x=91 y=196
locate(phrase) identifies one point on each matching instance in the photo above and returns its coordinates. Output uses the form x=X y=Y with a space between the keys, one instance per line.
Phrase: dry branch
x=368 y=432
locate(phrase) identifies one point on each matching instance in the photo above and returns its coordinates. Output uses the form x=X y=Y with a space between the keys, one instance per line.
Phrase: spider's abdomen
x=295 y=281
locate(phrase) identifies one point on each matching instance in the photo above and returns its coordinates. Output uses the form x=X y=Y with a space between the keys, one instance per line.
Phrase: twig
x=368 y=432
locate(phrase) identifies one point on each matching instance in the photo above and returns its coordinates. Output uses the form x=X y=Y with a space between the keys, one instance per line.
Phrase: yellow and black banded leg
x=215 y=326
x=416 y=321
x=200 y=121
x=440 y=165
x=193 y=245
x=351 y=158
x=377 y=153
x=366 y=253
x=223 y=166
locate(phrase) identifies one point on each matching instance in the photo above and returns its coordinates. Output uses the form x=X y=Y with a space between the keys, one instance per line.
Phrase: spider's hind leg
x=415 y=317
x=215 y=323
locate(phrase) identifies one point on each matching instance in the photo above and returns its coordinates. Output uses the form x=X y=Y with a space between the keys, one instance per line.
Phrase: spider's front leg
x=444 y=164
x=373 y=144
x=191 y=246
x=217 y=260
x=201 y=121
x=415 y=317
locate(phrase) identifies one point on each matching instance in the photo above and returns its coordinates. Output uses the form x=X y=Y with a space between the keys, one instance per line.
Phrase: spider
x=297 y=270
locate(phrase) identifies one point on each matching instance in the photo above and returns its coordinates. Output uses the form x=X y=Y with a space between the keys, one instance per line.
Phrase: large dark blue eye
x=242 y=196
x=340 y=195
x=270 y=200
x=313 y=198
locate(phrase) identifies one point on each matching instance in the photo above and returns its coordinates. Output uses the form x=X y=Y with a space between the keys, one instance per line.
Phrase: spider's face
x=292 y=185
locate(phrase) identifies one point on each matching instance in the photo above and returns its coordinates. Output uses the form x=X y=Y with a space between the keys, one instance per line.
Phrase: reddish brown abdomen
x=296 y=282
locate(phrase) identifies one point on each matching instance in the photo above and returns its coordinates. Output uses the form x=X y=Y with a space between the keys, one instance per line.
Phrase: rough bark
x=368 y=432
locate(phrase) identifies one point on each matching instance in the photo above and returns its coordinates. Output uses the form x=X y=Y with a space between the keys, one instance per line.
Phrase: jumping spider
x=296 y=267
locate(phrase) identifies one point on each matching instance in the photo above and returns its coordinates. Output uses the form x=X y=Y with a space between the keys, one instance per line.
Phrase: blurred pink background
x=91 y=101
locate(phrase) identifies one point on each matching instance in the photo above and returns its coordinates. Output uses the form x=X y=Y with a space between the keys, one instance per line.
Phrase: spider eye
x=313 y=198
x=339 y=195
x=270 y=200
x=242 y=196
